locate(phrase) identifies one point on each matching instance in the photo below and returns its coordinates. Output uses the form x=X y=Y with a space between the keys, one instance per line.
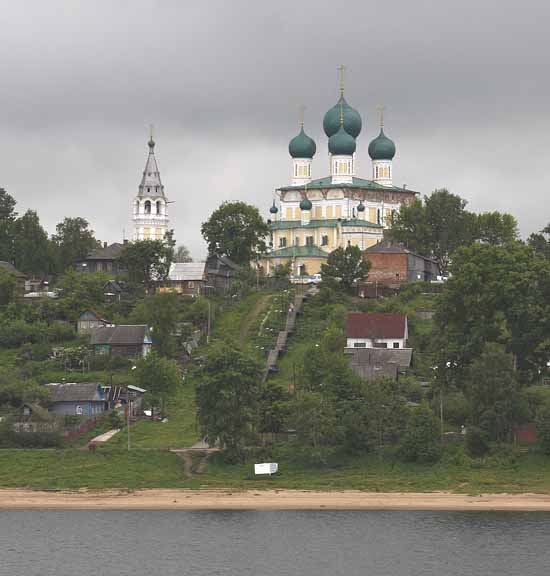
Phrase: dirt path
x=260 y=306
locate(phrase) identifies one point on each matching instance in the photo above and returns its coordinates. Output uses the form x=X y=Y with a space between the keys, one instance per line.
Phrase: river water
x=261 y=543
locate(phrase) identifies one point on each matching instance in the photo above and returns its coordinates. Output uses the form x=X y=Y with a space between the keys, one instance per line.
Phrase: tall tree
x=496 y=294
x=159 y=376
x=8 y=286
x=182 y=254
x=540 y=242
x=148 y=261
x=236 y=230
x=436 y=228
x=7 y=219
x=31 y=250
x=346 y=265
x=73 y=240
x=228 y=395
x=496 y=228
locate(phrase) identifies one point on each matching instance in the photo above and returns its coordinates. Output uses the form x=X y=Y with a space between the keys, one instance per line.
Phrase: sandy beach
x=163 y=499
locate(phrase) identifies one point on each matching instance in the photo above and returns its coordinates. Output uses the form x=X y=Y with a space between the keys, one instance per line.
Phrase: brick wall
x=387 y=268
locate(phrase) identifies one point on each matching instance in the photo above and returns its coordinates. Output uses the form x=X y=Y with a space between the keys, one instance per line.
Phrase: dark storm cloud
x=464 y=84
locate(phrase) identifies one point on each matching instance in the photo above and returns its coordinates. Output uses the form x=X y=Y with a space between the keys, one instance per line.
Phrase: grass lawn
x=531 y=473
x=179 y=432
x=83 y=469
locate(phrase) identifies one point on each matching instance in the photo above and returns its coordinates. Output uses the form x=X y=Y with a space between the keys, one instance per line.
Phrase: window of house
x=324 y=240
x=359 y=344
x=396 y=344
x=190 y=284
x=309 y=240
x=79 y=411
x=380 y=344
x=282 y=242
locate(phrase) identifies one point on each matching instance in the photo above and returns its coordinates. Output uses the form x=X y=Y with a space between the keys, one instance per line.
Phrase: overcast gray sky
x=465 y=85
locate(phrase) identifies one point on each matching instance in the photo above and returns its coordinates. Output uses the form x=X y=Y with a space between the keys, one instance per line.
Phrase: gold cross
x=381 y=109
x=302 y=110
x=341 y=70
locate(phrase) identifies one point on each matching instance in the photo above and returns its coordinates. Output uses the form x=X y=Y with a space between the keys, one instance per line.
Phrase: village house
x=220 y=273
x=377 y=344
x=186 y=278
x=86 y=399
x=376 y=330
x=130 y=341
x=89 y=321
x=104 y=259
x=394 y=265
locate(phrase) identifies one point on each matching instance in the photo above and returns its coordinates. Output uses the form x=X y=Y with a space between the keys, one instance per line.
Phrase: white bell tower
x=150 y=205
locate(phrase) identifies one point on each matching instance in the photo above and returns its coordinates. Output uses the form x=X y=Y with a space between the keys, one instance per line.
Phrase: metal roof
x=180 y=271
x=76 y=391
x=376 y=325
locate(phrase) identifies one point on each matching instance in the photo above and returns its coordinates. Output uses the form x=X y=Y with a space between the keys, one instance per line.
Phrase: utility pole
x=128 y=410
x=208 y=322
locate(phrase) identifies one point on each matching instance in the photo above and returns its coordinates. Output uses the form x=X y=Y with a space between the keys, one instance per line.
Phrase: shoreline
x=182 y=499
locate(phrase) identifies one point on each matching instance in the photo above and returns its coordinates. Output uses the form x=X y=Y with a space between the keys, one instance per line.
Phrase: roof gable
x=376 y=325
x=76 y=392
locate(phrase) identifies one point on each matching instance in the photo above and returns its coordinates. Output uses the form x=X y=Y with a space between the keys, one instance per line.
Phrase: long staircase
x=290 y=327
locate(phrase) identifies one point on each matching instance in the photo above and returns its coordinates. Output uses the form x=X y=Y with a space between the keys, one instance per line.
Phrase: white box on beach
x=266 y=468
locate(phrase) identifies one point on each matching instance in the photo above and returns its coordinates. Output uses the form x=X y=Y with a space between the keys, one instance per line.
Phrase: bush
x=115 y=419
x=38 y=352
x=18 y=332
x=60 y=332
x=543 y=428
x=33 y=439
x=477 y=441
x=421 y=441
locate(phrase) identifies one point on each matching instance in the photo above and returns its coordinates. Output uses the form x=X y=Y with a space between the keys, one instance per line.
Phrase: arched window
x=137 y=207
x=159 y=206
x=147 y=207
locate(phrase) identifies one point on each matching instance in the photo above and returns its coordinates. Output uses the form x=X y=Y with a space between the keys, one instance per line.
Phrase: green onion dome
x=274 y=208
x=302 y=146
x=382 y=148
x=352 y=119
x=341 y=143
x=361 y=207
x=305 y=204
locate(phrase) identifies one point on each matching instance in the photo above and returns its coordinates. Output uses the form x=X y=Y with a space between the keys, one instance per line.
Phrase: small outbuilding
x=89 y=321
x=186 y=278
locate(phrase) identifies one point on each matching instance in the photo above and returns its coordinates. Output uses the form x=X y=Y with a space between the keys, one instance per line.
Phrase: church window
x=338 y=211
x=297 y=241
x=148 y=190
x=158 y=207
x=159 y=233
x=309 y=240
x=146 y=233
x=318 y=212
x=378 y=216
x=288 y=213
x=282 y=242
x=329 y=211
x=324 y=240
x=147 y=207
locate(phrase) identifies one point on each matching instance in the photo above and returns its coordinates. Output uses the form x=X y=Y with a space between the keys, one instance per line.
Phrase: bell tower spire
x=150 y=204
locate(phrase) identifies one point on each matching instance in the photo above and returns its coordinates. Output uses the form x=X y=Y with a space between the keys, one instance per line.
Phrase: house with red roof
x=376 y=330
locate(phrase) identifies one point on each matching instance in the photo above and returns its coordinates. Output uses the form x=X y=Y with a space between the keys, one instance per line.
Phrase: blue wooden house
x=86 y=399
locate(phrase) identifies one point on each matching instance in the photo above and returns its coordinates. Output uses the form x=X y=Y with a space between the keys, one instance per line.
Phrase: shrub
x=421 y=440
x=60 y=332
x=477 y=441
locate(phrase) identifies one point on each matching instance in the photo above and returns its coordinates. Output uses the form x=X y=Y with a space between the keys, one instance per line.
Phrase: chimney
x=125 y=241
x=104 y=244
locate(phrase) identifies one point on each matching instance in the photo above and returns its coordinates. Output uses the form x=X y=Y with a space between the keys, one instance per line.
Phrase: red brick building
x=392 y=265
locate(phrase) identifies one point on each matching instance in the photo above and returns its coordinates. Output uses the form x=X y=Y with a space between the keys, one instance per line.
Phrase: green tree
x=182 y=254
x=493 y=393
x=421 y=440
x=345 y=265
x=236 y=230
x=79 y=292
x=159 y=376
x=540 y=242
x=282 y=271
x=496 y=228
x=31 y=246
x=496 y=294
x=160 y=311
x=7 y=219
x=313 y=416
x=228 y=394
x=148 y=261
x=8 y=286
x=437 y=227
x=73 y=241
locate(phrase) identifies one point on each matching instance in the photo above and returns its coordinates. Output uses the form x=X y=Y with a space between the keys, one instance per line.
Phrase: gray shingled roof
x=181 y=271
x=75 y=391
x=122 y=335
x=111 y=252
x=11 y=269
